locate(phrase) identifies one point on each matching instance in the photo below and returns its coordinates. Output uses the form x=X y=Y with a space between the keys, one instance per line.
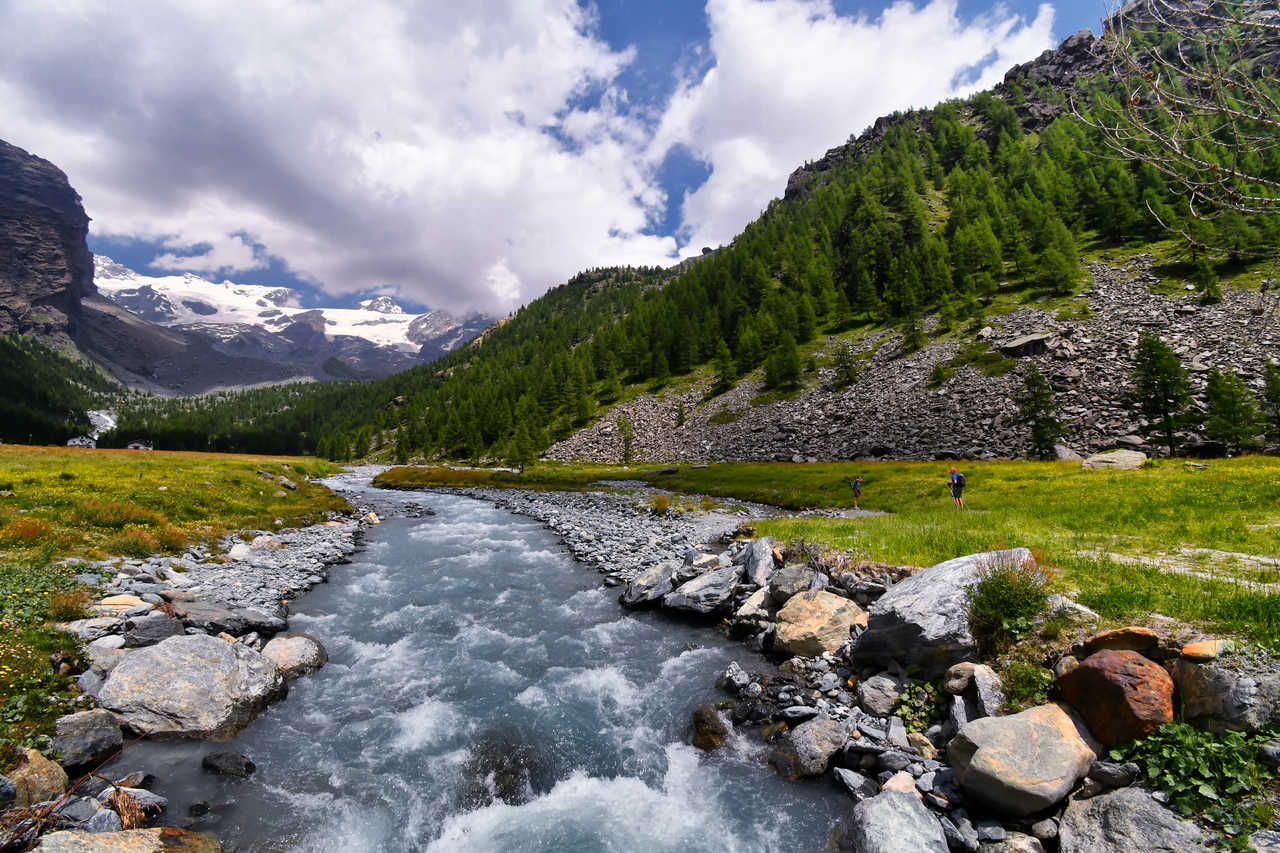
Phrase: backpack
x=960 y=479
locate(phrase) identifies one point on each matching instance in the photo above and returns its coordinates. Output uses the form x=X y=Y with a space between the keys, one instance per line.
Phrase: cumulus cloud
x=470 y=154
x=792 y=78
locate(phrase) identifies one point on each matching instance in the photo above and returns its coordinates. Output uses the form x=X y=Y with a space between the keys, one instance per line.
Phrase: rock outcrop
x=45 y=264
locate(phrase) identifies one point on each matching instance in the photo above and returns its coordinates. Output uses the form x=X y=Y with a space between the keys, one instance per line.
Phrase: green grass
x=1057 y=509
x=99 y=503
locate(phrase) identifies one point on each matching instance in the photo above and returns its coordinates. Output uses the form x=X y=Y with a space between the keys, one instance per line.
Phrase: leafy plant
x=1219 y=779
x=920 y=706
x=660 y=504
x=1005 y=601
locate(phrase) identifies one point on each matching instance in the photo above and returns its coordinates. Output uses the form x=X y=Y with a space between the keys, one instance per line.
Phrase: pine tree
x=782 y=369
x=1056 y=272
x=680 y=414
x=627 y=433
x=1233 y=418
x=913 y=334
x=1207 y=284
x=1271 y=400
x=1037 y=410
x=846 y=366
x=520 y=450
x=723 y=364
x=1161 y=390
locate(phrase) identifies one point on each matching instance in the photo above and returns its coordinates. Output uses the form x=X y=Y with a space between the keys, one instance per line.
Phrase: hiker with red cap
x=957 y=488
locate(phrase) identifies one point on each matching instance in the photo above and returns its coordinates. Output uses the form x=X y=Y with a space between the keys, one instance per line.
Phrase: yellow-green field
x=1085 y=525
x=60 y=502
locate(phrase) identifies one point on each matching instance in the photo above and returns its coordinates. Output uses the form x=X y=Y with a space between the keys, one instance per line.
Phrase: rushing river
x=471 y=656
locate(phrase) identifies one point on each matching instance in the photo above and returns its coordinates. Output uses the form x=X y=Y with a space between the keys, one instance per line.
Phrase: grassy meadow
x=62 y=502
x=1086 y=525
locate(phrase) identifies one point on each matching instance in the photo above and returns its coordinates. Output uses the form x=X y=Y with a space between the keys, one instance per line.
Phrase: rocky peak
x=45 y=264
x=381 y=304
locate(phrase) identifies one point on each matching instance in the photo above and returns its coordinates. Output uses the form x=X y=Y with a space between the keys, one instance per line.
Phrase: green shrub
x=1005 y=601
x=1026 y=684
x=134 y=541
x=660 y=504
x=725 y=416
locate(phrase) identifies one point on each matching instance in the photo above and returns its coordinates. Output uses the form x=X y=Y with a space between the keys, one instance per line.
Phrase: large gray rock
x=296 y=654
x=94 y=628
x=1022 y=763
x=1214 y=694
x=1124 y=821
x=196 y=686
x=878 y=694
x=86 y=738
x=648 y=587
x=151 y=629
x=1116 y=460
x=923 y=622
x=8 y=793
x=889 y=822
x=793 y=579
x=705 y=594
x=757 y=562
x=807 y=749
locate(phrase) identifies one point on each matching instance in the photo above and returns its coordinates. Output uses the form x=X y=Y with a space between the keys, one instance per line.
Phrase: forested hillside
x=45 y=393
x=935 y=212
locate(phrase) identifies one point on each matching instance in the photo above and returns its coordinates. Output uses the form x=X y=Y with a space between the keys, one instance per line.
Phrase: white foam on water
x=606 y=687
x=619 y=814
x=611 y=633
x=411 y=615
x=533 y=697
x=424 y=725
x=685 y=661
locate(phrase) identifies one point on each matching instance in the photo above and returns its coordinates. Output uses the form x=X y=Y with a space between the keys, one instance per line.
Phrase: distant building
x=81 y=441
x=139 y=444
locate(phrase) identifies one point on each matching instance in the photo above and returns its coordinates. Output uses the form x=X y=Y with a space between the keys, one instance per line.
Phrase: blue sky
x=466 y=156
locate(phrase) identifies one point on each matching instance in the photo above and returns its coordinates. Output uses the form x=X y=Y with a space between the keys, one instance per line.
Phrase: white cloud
x=228 y=255
x=472 y=153
x=792 y=78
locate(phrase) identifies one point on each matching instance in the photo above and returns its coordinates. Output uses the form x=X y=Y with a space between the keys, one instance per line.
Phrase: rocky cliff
x=45 y=265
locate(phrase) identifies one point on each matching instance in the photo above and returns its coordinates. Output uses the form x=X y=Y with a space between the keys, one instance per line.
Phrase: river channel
x=485 y=693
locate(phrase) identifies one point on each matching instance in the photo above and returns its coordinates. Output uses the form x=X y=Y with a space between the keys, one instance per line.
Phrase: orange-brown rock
x=1132 y=639
x=1205 y=649
x=167 y=839
x=815 y=622
x=1121 y=695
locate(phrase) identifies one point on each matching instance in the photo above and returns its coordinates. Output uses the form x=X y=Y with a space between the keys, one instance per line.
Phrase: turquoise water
x=485 y=693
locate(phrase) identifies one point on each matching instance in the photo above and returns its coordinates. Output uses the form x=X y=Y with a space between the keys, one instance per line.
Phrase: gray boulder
x=1023 y=763
x=923 y=621
x=8 y=793
x=878 y=694
x=87 y=738
x=757 y=561
x=1215 y=695
x=104 y=820
x=705 y=594
x=792 y=580
x=194 y=686
x=151 y=629
x=858 y=786
x=890 y=822
x=648 y=587
x=1116 y=460
x=807 y=749
x=1265 y=841
x=296 y=654
x=1123 y=821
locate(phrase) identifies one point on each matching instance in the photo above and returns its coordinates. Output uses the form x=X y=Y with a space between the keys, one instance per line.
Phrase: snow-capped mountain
x=223 y=309
x=247 y=333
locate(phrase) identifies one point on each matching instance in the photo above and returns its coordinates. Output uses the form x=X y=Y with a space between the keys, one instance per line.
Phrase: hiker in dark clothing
x=856 y=485
x=957 y=488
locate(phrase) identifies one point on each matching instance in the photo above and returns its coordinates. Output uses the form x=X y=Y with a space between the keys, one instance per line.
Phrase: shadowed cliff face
x=45 y=265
